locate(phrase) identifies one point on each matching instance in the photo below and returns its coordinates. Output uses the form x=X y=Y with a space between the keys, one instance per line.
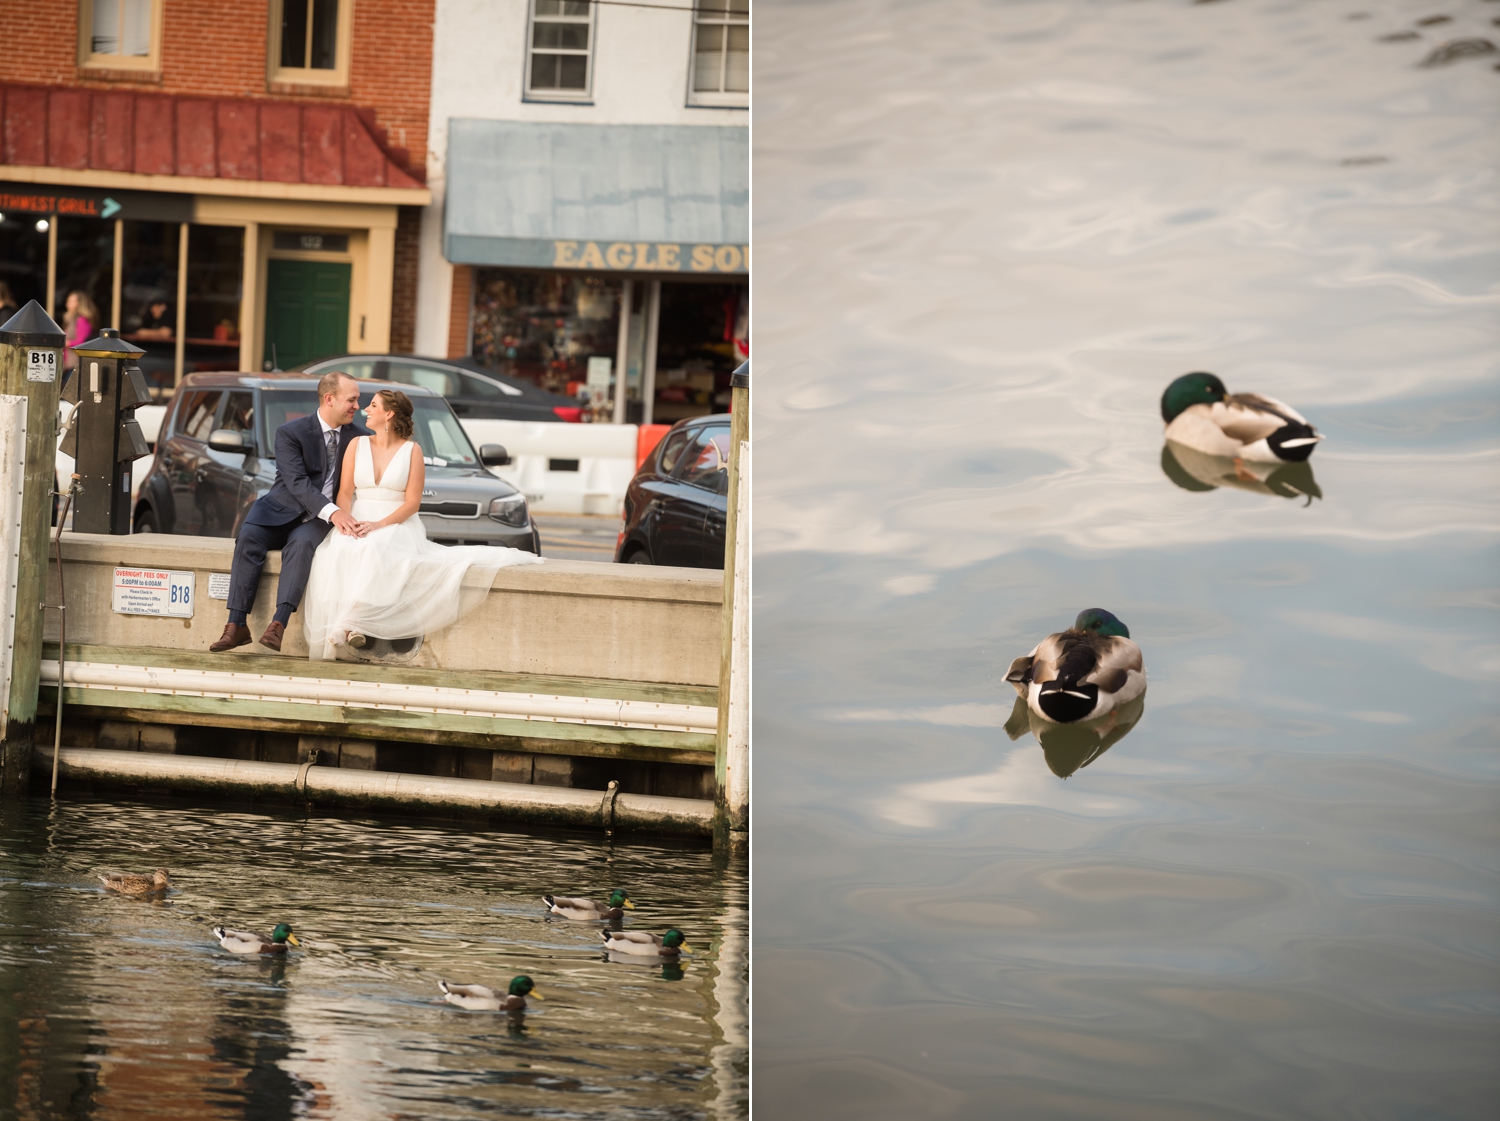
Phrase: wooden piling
x=732 y=749
x=31 y=367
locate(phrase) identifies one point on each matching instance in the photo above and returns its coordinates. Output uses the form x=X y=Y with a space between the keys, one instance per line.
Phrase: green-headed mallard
x=239 y=942
x=638 y=942
x=1202 y=415
x=479 y=998
x=1081 y=673
x=575 y=907
x=128 y=883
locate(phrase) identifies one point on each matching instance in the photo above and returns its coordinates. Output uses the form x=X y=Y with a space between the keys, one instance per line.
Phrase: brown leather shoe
x=272 y=637
x=235 y=634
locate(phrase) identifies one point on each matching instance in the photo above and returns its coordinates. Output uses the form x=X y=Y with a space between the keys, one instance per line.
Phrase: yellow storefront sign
x=650 y=256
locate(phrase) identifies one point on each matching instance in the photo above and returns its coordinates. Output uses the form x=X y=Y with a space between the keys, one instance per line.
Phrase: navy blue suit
x=286 y=516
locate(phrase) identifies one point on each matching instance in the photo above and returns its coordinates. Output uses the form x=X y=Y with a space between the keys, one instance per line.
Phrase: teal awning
x=618 y=198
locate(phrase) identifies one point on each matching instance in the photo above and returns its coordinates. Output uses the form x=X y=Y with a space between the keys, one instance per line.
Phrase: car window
x=706 y=462
x=198 y=414
x=361 y=369
x=671 y=450
x=484 y=389
x=278 y=406
x=239 y=413
x=428 y=377
x=437 y=430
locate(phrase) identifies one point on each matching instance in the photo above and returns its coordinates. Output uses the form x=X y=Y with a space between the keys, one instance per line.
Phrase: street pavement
x=579 y=537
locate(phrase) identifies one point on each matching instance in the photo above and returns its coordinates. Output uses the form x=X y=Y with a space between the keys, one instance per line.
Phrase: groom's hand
x=344 y=523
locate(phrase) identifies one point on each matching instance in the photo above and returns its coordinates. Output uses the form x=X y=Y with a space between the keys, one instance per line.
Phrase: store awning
x=616 y=198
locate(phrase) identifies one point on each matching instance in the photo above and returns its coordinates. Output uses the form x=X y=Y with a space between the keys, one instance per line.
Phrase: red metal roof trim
x=153 y=134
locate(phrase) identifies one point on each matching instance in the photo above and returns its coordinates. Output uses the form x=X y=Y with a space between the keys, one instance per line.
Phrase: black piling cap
x=108 y=345
x=740 y=379
x=31 y=326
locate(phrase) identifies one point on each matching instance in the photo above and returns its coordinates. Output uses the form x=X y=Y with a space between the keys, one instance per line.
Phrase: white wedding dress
x=393 y=582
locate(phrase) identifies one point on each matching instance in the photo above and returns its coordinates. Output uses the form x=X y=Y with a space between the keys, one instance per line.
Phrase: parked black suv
x=675 y=505
x=216 y=455
x=475 y=393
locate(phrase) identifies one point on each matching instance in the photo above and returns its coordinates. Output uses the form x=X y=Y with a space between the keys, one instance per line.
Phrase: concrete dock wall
x=635 y=623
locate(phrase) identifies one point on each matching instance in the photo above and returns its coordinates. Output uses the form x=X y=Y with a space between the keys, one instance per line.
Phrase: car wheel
x=638 y=557
x=145 y=522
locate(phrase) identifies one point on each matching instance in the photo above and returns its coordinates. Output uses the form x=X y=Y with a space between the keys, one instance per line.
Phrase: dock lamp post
x=31 y=352
x=105 y=438
x=732 y=750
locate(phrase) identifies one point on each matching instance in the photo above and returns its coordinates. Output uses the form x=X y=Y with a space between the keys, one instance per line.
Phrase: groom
x=295 y=514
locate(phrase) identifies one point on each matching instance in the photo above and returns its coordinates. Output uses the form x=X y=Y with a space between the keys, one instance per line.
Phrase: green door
x=307 y=312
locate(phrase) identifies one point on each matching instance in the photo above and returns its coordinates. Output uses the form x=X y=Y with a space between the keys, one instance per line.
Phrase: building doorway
x=307 y=312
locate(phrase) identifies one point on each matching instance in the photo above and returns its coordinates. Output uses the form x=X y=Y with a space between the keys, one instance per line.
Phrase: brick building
x=233 y=185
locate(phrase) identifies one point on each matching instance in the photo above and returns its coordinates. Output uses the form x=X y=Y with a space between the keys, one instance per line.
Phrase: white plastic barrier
x=543 y=458
x=149 y=417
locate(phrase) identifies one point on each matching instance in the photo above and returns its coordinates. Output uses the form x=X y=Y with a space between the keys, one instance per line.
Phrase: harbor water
x=113 y=1007
x=987 y=236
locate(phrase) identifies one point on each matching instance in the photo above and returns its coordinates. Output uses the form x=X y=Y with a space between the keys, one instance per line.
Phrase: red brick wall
x=218 y=49
x=404 y=280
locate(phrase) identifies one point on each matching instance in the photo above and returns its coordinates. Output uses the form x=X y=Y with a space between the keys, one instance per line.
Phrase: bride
x=381 y=577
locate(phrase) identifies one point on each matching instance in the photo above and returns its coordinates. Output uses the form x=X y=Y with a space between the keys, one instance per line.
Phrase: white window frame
x=584 y=95
x=87 y=59
x=276 y=74
x=718 y=22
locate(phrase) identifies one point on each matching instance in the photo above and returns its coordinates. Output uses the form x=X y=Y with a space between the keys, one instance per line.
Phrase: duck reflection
x=1070 y=747
x=1198 y=471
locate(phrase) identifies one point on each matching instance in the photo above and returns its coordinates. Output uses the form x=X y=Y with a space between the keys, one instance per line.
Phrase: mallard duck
x=575 y=907
x=1082 y=673
x=1202 y=415
x=128 y=883
x=479 y=998
x=239 y=942
x=638 y=942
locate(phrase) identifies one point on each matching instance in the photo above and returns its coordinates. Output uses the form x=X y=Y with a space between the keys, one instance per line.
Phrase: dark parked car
x=215 y=456
x=674 y=507
x=474 y=393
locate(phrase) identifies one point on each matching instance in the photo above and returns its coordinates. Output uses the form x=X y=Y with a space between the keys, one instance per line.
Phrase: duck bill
x=292 y=938
x=535 y=995
x=628 y=905
x=685 y=948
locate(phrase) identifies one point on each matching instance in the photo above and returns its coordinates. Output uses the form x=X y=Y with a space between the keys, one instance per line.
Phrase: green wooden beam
x=493 y=681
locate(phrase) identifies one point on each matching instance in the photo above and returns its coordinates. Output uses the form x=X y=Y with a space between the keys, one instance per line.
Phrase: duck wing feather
x=1114 y=659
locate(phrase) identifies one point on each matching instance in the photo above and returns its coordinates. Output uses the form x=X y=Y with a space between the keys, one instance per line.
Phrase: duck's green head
x=521 y=986
x=283 y=933
x=674 y=939
x=1096 y=620
x=1191 y=389
x=620 y=899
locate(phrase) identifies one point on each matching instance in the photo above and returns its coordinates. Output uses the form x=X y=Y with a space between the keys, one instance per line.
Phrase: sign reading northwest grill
x=85 y=202
x=650 y=256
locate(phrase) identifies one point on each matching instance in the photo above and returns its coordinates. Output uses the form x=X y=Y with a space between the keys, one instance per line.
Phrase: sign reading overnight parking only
x=150 y=591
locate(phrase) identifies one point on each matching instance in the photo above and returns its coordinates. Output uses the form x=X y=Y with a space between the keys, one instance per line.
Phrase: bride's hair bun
x=398 y=405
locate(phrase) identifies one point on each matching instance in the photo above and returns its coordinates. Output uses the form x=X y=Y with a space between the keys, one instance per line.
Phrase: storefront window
x=216 y=266
x=148 y=303
x=546 y=326
x=85 y=265
x=23 y=262
x=700 y=340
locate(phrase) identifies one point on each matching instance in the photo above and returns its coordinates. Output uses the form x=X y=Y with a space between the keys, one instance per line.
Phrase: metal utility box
x=104 y=438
